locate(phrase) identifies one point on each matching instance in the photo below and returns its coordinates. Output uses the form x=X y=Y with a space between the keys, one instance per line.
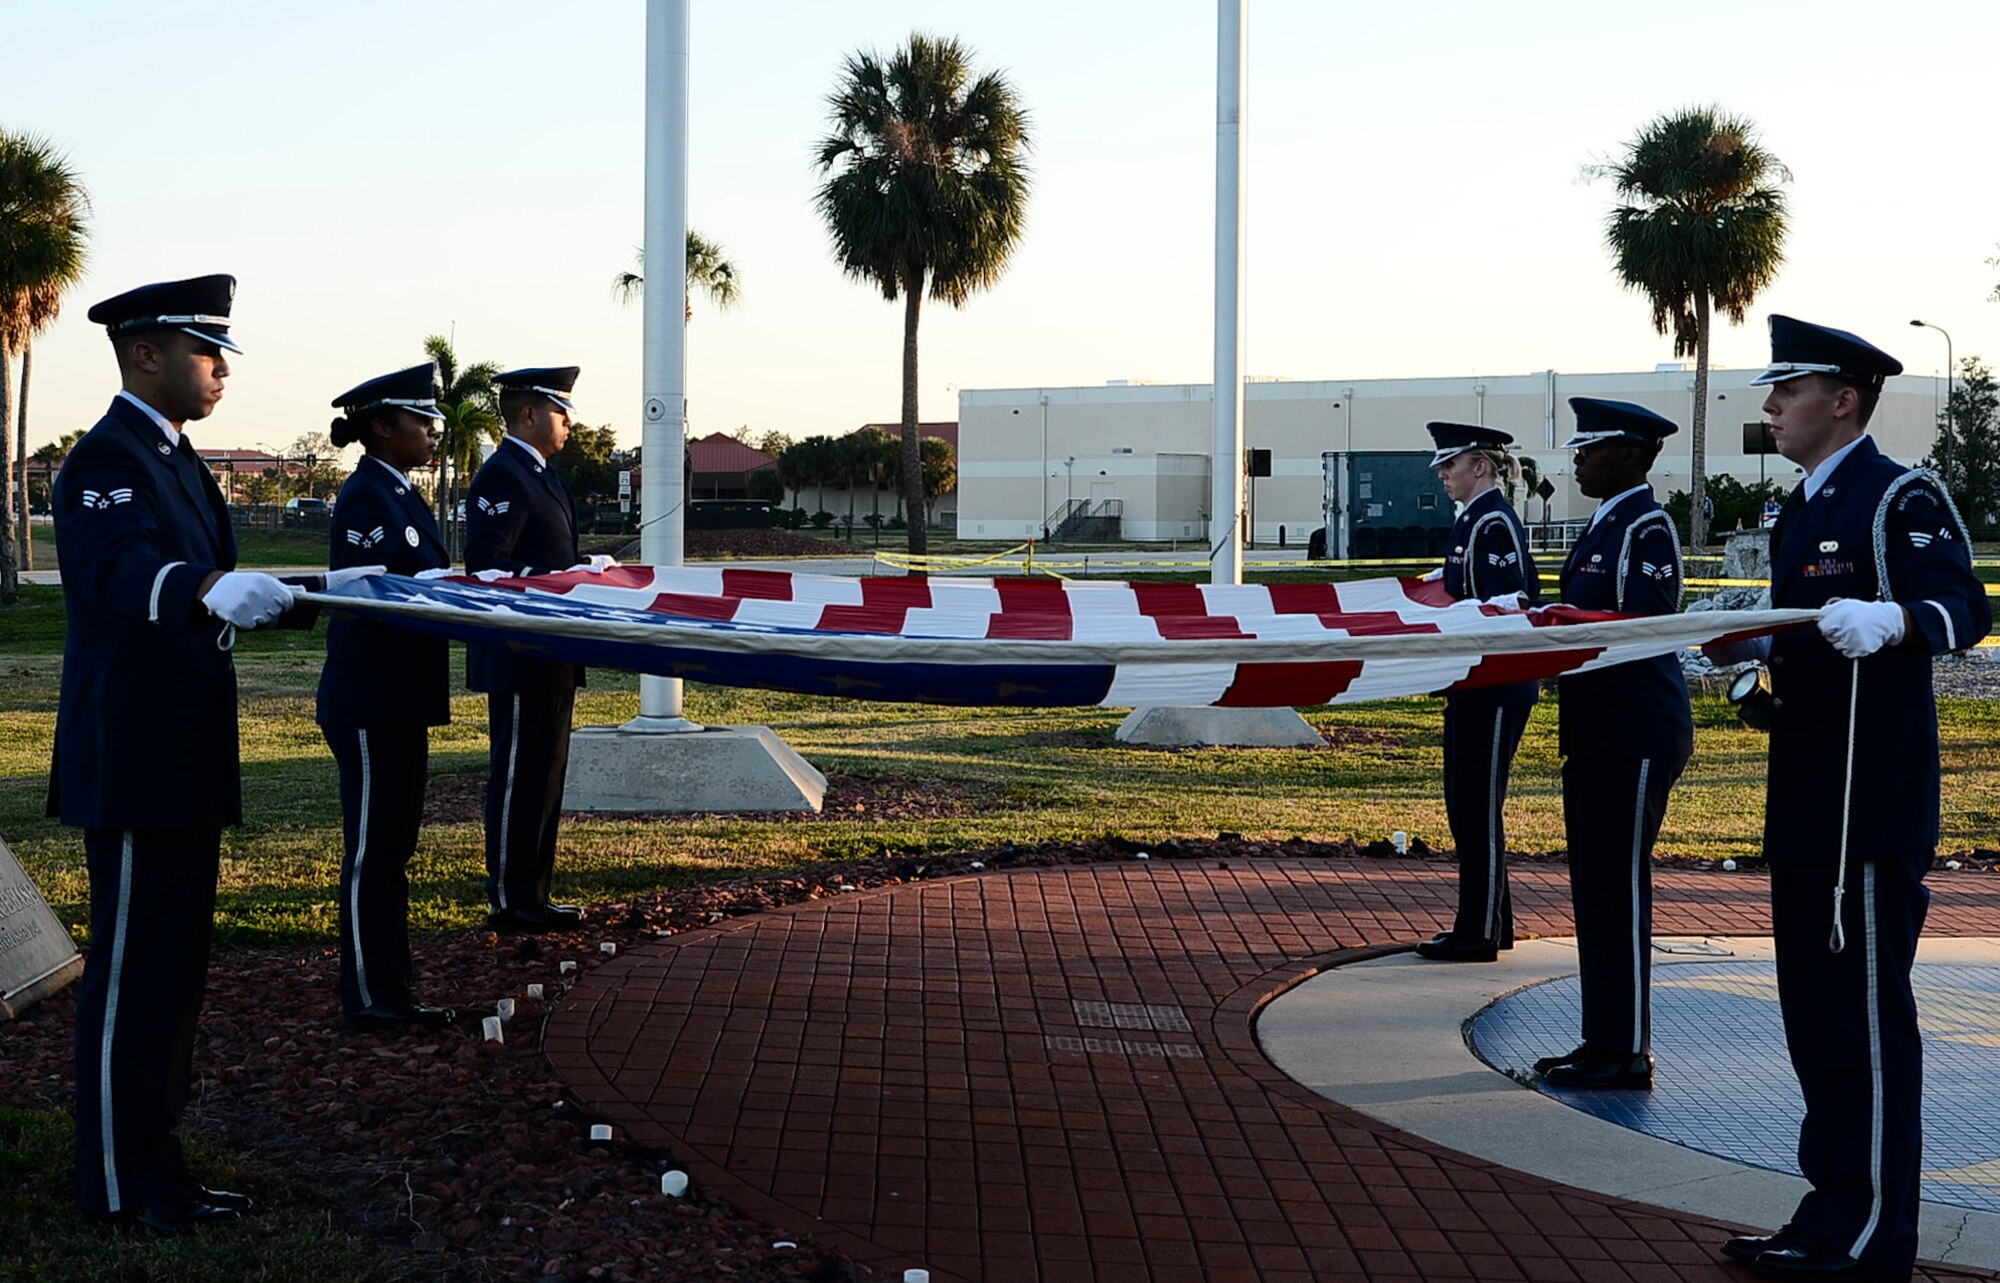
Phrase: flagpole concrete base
x=717 y=768
x=1218 y=728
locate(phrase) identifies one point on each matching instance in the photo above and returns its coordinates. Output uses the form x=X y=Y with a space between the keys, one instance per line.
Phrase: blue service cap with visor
x=551 y=381
x=198 y=306
x=414 y=389
x=1454 y=439
x=1600 y=420
x=1799 y=348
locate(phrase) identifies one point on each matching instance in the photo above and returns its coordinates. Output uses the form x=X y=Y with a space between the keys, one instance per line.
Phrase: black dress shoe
x=554 y=917
x=1594 y=1072
x=1750 y=1247
x=1810 y=1258
x=178 y=1215
x=413 y=1015
x=1451 y=948
x=1547 y=1063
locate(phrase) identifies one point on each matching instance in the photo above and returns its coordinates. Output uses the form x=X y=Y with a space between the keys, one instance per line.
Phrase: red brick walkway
x=1051 y=1075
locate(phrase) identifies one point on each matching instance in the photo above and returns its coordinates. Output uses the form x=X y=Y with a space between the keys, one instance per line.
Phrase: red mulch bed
x=462 y=1155
x=461 y=799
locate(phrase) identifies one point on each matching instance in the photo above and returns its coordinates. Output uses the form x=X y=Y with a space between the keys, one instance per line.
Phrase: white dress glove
x=1507 y=601
x=597 y=565
x=488 y=576
x=1434 y=576
x=1859 y=628
x=441 y=572
x=335 y=578
x=248 y=598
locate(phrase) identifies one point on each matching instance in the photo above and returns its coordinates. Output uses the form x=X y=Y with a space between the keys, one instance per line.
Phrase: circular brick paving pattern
x=1050 y=1076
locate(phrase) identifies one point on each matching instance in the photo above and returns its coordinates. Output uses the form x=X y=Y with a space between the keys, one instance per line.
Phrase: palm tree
x=1702 y=227
x=707 y=271
x=471 y=409
x=42 y=236
x=927 y=188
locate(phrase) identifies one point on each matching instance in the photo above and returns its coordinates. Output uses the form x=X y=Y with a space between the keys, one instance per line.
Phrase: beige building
x=1131 y=461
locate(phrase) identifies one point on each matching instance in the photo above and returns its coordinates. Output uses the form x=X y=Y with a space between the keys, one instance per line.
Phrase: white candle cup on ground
x=600 y=1131
x=1401 y=841
x=566 y=966
x=504 y=1008
x=535 y=992
x=916 y=1276
x=491 y=1027
x=608 y=949
x=673 y=1184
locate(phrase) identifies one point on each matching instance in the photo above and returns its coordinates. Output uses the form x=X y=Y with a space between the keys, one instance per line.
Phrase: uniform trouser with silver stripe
x=1479 y=744
x=383 y=771
x=1851 y=1025
x=152 y=910
x=528 y=732
x=1612 y=809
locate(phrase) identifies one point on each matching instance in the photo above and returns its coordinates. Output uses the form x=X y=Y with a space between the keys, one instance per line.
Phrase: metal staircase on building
x=1081 y=521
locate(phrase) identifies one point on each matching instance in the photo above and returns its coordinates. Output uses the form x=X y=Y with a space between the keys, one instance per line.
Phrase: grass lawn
x=46 y=1240
x=905 y=778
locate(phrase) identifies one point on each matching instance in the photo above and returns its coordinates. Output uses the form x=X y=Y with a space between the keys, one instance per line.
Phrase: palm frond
x=44 y=235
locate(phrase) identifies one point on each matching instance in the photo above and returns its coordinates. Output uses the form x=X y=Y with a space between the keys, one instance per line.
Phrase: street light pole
x=1044 y=399
x=1949 y=363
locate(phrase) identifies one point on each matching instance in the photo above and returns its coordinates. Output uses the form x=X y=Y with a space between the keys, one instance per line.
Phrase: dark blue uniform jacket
x=1630 y=561
x=519 y=518
x=377 y=675
x=1875 y=531
x=146 y=726
x=1489 y=558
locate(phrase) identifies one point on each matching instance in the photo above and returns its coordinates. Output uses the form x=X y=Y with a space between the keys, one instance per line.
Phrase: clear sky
x=376 y=172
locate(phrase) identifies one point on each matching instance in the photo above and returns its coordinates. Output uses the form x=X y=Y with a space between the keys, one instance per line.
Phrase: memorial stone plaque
x=37 y=957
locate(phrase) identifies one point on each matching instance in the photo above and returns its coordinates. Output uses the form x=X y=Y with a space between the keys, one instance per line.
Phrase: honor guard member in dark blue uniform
x=1482 y=727
x=521 y=520
x=1851 y=820
x=382 y=690
x=1625 y=735
x=146 y=748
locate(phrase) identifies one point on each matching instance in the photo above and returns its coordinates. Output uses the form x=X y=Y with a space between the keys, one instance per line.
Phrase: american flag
x=1033 y=641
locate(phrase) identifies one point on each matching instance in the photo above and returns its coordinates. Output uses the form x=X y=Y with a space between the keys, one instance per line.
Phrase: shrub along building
x=1130 y=461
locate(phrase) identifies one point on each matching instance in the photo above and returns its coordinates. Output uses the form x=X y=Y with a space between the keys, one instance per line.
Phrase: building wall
x=1023 y=452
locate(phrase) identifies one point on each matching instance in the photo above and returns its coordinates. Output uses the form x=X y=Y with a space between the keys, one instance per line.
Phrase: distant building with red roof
x=721 y=466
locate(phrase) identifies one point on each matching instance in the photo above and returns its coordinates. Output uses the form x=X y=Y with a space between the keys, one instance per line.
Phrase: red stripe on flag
x=862 y=619
x=1197 y=627
x=1170 y=599
x=1502 y=670
x=761 y=585
x=1180 y=612
x=1377 y=623
x=1289 y=685
x=1305 y=599
x=1032 y=596
x=1030 y=625
x=908 y=592
x=1427 y=592
x=690 y=606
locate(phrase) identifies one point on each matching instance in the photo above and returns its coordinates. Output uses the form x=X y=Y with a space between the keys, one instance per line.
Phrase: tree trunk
x=21 y=457
x=10 y=578
x=1698 y=495
x=913 y=464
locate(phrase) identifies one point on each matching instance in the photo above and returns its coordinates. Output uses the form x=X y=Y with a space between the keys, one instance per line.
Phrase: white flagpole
x=1225 y=532
x=662 y=489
